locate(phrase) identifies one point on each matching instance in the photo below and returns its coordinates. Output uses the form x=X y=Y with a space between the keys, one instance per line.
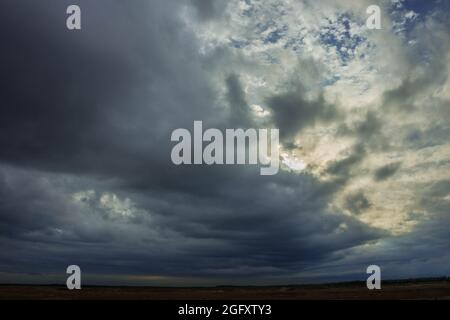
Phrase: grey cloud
x=415 y=84
x=402 y=98
x=433 y=199
x=365 y=129
x=440 y=188
x=428 y=137
x=357 y=203
x=240 y=113
x=386 y=171
x=342 y=168
x=208 y=10
x=292 y=112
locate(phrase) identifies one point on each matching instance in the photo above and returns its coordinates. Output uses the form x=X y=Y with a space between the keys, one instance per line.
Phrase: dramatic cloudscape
x=86 y=117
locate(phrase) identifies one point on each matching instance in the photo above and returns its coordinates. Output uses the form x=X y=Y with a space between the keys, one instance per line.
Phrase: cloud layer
x=86 y=117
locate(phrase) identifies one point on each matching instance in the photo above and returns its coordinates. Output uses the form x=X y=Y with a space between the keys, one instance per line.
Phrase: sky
x=86 y=117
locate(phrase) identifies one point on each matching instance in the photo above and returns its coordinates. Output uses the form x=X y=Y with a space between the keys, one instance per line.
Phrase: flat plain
x=393 y=290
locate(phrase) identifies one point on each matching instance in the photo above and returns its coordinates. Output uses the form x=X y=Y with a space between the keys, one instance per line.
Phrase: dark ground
x=407 y=289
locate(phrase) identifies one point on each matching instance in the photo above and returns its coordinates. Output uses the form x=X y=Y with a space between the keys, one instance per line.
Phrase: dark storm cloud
x=232 y=232
x=386 y=171
x=55 y=87
x=100 y=102
x=103 y=101
x=99 y=99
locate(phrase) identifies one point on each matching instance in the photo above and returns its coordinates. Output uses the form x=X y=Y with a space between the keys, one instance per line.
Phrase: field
x=393 y=290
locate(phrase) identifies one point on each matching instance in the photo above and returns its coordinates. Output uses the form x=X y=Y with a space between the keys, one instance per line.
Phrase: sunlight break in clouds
x=325 y=49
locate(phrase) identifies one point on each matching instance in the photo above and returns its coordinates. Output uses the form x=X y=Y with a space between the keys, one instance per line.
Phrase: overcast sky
x=86 y=117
